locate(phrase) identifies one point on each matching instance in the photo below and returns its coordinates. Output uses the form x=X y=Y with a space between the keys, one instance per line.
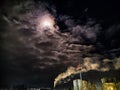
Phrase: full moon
x=46 y=22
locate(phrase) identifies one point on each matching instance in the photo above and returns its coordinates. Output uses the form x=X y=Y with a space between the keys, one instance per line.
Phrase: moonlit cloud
x=46 y=22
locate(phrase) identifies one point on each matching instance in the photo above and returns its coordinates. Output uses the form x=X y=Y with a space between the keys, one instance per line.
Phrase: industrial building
x=79 y=84
x=110 y=84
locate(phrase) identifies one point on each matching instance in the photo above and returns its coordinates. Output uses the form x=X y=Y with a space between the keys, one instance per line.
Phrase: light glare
x=47 y=22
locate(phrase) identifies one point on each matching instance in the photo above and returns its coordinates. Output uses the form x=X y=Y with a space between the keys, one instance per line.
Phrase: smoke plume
x=89 y=64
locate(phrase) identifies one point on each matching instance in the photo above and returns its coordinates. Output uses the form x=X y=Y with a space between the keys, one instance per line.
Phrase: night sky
x=84 y=32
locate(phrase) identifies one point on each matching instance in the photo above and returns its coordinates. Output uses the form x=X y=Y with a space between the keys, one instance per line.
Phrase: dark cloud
x=81 y=33
x=85 y=34
x=112 y=36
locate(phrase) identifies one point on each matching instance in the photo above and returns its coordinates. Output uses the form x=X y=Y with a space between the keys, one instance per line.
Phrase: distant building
x=3 y=89
x=33 y=89
x=38 y=89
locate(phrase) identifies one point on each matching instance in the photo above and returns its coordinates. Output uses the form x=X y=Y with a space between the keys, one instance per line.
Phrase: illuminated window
x=110 y=88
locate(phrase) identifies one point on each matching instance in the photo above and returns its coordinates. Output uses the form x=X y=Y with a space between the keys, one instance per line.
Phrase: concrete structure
x=77 y=84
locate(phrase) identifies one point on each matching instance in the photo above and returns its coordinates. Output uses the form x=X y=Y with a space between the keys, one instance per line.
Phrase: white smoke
x=89 y=64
